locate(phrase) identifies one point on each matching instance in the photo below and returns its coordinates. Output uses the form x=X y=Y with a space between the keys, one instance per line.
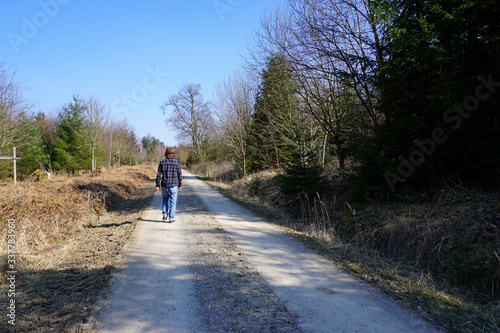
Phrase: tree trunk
x=340 y=153
x=93 y=159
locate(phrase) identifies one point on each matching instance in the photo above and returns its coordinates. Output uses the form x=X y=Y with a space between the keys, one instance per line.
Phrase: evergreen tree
x=29 y=147
x=439 y=118
x=149 y=144
x=70 y=152
x=302 y=177
x=274 y=123
x=33 y=153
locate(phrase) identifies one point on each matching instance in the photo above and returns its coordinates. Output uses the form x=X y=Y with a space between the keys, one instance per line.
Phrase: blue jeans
x=169 y=201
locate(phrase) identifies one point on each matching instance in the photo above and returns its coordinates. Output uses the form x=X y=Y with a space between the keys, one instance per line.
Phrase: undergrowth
x=439 y=255
x=46 y=211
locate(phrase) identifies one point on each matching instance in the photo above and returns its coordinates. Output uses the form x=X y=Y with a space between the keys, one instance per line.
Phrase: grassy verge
x=438 y=257
x=70 y=232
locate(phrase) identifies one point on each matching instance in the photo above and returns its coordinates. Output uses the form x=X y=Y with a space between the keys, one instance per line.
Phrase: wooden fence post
x=15 y=166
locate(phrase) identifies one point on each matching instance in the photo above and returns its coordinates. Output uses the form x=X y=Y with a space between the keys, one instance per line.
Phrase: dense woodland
x=397 y=95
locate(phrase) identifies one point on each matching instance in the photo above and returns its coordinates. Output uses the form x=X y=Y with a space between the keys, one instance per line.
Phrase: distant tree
x=95 y=116
x=234 y=107
x=132 y=150
x=70 y=151
x=150 y=144
x=182 y=153
x=48 y=126
x=191 y=118
x=121 y=144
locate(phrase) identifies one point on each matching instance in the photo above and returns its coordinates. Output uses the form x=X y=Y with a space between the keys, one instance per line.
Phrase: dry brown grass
x=220 y=172
x=456 y=236
x=70 y=234
x=46 y=211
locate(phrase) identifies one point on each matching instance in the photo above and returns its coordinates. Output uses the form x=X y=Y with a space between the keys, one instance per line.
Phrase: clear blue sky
x=131 y=54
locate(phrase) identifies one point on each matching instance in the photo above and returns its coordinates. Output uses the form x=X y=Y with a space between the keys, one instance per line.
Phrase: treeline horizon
x=395 y=95
x=81 y=136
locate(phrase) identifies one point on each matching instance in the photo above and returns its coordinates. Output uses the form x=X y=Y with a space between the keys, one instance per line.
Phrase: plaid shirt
x=169 y=173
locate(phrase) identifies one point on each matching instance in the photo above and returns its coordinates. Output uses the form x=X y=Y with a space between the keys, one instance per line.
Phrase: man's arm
x=159 y=174
x=179 y=176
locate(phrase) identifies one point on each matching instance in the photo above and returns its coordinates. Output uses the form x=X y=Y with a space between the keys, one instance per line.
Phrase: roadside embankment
x=436 y=252
x=68 y=233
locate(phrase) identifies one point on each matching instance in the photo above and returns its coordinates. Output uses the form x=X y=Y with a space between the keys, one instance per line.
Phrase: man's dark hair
x=170 y=153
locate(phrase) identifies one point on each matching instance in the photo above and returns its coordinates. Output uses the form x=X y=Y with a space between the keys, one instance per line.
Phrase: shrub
x=301 y=179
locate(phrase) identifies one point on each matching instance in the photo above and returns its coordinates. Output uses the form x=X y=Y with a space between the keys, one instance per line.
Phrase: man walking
x=169 y=180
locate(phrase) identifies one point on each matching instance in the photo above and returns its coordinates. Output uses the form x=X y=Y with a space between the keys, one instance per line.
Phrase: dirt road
x=219 y=268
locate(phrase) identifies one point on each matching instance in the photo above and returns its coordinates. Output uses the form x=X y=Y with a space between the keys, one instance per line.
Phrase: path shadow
x=154 y=221
x=55 y=300
x=108 y=225
x=120 y=199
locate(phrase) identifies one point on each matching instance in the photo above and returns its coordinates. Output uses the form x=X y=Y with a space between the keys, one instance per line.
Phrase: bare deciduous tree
x=330 y=104
x=95 y=117
x=15 y=112
x=191 y=117
x=340 y=39
x=234 y=105
x=121 y=144
x=332 y=49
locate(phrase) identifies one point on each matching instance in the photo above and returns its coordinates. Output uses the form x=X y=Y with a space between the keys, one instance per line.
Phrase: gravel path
x=225 y=270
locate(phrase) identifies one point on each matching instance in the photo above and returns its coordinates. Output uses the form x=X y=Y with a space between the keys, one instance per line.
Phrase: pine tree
x=70 y=152
x=302 y=177
x=274 y=123
x=33 y=153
